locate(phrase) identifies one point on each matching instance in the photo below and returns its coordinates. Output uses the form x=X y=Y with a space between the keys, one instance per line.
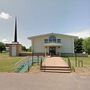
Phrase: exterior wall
x=67 y=44
x=14 y=50
x=66 y=41
x=38 y=45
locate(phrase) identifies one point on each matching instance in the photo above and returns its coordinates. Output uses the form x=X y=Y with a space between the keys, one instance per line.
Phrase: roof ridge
x=49 y=34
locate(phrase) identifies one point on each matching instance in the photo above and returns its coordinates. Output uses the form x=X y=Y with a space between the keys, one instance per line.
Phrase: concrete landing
x=54 y=61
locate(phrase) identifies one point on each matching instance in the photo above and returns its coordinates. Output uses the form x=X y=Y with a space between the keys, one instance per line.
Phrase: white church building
x=52 y=44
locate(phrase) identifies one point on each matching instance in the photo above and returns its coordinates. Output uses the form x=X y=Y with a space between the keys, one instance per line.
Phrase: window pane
x=46 y=41
x=52 y=39
x=58 y=40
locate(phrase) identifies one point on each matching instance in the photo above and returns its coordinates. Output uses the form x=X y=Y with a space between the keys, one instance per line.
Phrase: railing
x=69 y=63
x=24 y=65
x=41 y=65
x=79 y=64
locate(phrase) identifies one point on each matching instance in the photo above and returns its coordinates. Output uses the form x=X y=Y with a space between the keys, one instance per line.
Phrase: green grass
x=86 y=60
x=35 y=67
x=26 y=52
x=7 y=63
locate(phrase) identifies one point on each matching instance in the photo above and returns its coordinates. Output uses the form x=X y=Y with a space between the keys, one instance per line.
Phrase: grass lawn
x=26 y=52
x=35 y=68
x=86 y=63
x=7 y=63
x=86 y=60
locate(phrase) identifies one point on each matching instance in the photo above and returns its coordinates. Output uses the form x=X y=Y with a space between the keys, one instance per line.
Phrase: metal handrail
x=69 y=63
x=22 y=64
x=25 y=64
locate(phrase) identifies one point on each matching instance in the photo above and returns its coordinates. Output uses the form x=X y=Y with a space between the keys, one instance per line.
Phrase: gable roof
x=51 y=34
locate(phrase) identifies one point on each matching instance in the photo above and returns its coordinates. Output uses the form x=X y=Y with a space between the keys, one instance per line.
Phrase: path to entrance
x=54 y=61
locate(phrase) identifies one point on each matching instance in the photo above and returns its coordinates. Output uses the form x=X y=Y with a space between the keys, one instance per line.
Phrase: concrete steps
x=56 y=69
x=55 y=65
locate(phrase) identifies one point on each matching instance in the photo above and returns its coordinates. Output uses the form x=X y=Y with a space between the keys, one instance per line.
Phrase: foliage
x=29 y=49
x=2 y=47
x=24 y=48
x=86 y=45
x=78 y=45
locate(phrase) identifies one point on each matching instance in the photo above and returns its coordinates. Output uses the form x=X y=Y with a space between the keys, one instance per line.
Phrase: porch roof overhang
x=52 y=44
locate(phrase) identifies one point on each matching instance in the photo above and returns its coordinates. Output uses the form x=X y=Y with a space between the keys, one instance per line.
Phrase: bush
x=2 y=47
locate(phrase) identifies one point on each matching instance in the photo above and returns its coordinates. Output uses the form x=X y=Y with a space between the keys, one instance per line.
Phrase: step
x=55 y=66
x=64 y=69
x=56 y=71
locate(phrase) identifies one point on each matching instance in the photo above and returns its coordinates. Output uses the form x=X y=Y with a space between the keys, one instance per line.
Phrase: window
x=52 y=39
x=58 y=40
x=45 y=40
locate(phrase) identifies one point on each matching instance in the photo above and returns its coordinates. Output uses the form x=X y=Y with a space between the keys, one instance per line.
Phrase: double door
x=52 y=50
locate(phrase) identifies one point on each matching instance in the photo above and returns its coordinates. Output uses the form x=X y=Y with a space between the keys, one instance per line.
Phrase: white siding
x=67 y=44
x=66 y=41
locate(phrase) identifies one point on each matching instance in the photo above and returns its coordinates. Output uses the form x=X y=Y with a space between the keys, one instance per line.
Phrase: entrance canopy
x=52 y=44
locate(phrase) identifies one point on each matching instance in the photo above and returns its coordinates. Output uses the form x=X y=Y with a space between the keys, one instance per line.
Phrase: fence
x=24 y=65
x=77 y=63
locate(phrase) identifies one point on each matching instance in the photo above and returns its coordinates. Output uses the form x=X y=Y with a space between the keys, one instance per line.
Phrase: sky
x=36 y=17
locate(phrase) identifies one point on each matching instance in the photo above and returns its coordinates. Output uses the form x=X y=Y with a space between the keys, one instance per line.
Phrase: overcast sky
x=44 y=16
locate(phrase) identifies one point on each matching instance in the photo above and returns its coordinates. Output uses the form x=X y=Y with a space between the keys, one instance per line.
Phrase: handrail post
x=80 y=63
x=28 y=65
x=38 y=59
x=32 y=59
x=41 y=64
x=75 y=59
x=69 y=63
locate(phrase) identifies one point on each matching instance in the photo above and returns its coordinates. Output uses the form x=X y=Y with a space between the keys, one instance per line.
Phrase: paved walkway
x=44 y=81
x=54 y=61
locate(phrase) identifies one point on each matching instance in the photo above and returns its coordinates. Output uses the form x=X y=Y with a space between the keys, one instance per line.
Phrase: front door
x=52 y=51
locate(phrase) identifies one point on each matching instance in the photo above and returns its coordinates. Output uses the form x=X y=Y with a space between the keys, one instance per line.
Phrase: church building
x=53 y=44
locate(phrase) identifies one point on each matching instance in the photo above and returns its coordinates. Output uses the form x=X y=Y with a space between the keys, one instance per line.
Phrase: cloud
x=5 y=16
x=5 y=41
x=81 y=34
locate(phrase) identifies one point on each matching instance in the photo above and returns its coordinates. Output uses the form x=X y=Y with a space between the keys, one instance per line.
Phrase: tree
x=86 y=45
x=2 y=47
x=24 y=48
x=78 y=45
x=29 y=49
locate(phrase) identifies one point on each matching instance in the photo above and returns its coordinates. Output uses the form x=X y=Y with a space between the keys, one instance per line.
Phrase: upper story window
x=58 y=40
x=52 y=39
x=45 y=40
